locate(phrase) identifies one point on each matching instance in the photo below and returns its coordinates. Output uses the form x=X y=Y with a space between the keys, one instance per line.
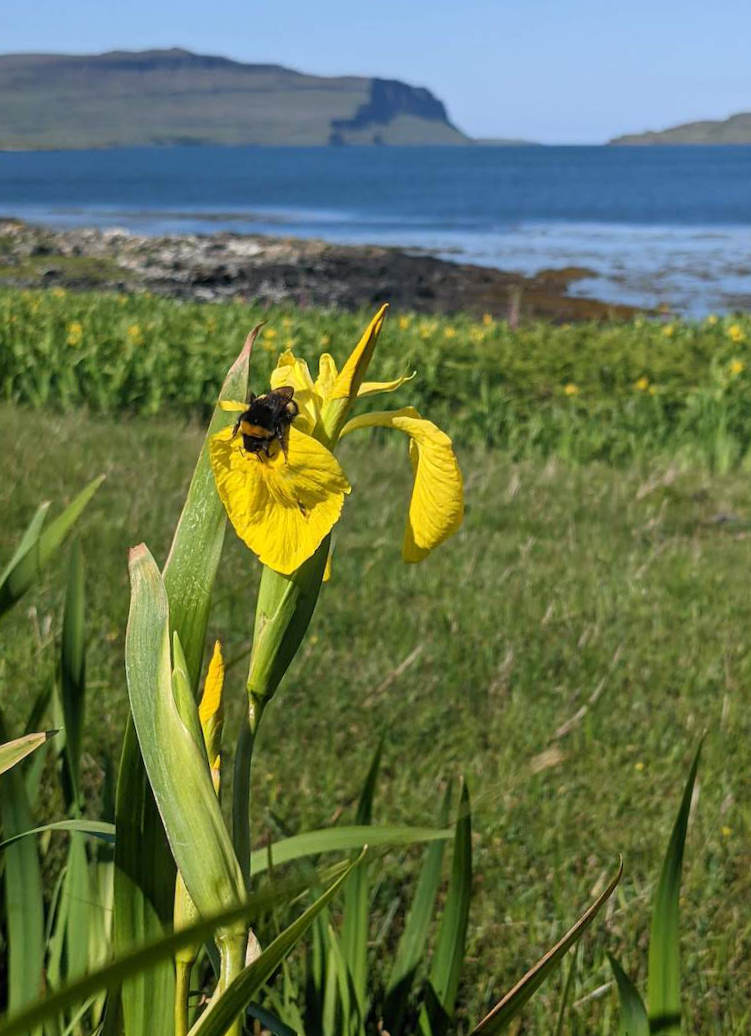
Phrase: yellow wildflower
x=449 y=332
x=269 y=332
x=726 y=831
x=737 y=367
x=58 y=293
x=642 y=383
x=75 y=333
x=325 y=340
x=283 y=504
x=711 y=320
x=571 y=389
x=736 y=333
x=487 y=319
x=404 y=323
x=668 y=330
x=135 y=334
x=639 y=767
x=286 y=323
x=289 y=344
x=652 y=390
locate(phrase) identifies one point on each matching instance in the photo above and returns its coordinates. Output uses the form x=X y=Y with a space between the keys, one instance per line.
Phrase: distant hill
x=168 y=97
x=735 y=130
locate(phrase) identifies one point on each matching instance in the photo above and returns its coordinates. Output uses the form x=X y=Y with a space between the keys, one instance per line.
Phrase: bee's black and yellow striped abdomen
x=266 y=420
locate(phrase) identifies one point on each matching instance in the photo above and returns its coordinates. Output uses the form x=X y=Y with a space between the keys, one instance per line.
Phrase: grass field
x=623 y=592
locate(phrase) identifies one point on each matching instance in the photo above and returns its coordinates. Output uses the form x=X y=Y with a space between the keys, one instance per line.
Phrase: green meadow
x=565 y=651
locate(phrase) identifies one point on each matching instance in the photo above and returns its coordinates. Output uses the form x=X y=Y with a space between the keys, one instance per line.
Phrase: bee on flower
x=284 y=497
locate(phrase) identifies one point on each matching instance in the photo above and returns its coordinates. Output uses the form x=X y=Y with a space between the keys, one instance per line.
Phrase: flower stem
x=241 y=786
x=231 y=945
x=182 y=989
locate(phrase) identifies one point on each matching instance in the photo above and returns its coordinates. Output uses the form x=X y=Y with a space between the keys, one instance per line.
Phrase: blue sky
x=557 y=71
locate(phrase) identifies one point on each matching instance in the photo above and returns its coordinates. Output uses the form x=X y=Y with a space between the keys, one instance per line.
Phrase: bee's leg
x=236 y=429
x=282 y=443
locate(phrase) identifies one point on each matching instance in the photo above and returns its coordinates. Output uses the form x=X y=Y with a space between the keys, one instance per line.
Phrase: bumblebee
x=266 y=420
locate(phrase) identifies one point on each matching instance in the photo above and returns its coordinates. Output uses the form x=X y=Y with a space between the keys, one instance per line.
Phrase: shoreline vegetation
x=306 y=272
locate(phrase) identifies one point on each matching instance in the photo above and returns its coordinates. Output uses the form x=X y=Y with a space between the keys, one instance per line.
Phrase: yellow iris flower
x=283 y=507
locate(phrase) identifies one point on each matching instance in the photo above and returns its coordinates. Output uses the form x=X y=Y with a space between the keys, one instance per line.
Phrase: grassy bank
x=615 y=392
x=568 y=586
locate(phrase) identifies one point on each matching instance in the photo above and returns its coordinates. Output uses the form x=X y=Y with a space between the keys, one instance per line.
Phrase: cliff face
x=167 y=97
x=735 y=130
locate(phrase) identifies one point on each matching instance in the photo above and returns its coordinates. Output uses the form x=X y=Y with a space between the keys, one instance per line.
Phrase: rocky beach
x=226 y=266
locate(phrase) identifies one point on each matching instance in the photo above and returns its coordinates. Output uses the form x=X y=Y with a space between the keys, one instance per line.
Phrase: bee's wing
x=285 y=391
x=232 y=406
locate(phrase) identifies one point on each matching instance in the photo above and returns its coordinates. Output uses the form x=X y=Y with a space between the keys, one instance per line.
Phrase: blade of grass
x=354 y=940
x=340 y=839
x=664 y=981
x=13 y=752
x=25 y=567
x=24 y=909
x=416 y=929
x=507 y=1009
x=97 y=828
x=633 y=1020
x=73 y=672
x=448 y=959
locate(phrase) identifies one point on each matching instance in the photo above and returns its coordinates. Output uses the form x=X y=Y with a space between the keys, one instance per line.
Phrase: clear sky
x=557 y=71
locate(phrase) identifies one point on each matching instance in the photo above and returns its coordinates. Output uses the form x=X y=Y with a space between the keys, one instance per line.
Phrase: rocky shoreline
x=224 y=266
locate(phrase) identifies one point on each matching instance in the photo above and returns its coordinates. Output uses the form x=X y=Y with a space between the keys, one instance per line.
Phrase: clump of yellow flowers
x=284 y=503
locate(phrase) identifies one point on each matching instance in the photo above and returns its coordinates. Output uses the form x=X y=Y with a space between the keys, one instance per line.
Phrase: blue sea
x=659 y=225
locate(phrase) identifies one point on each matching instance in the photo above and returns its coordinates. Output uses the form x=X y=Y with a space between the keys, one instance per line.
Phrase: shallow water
x=658 y=226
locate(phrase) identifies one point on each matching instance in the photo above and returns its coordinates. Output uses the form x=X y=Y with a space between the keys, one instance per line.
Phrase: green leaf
x=507 y=1009
x=448 y=960
x=23 y=894
x=37 y=547
x=73 y=671
x=633 y=1020
x=13 y=752
x=158 y=952
x=416 y=930
x=340 y=839
x=176 y=767
x=354 y=941
x=664 y=982
x=243 y=988
x=145 y=873
x=193 y=560
x=98 y=828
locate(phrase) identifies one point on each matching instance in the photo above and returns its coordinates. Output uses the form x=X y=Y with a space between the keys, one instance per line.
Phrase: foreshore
x=225 y=266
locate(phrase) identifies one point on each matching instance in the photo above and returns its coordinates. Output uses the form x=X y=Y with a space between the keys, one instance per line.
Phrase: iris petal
x=282 y=508
x=436 y=509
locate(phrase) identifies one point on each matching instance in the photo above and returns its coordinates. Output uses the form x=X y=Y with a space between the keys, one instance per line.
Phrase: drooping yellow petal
x=293 y=372
x=282 y=507
x=211 y=713
x=371 y=388
x=436 y=509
